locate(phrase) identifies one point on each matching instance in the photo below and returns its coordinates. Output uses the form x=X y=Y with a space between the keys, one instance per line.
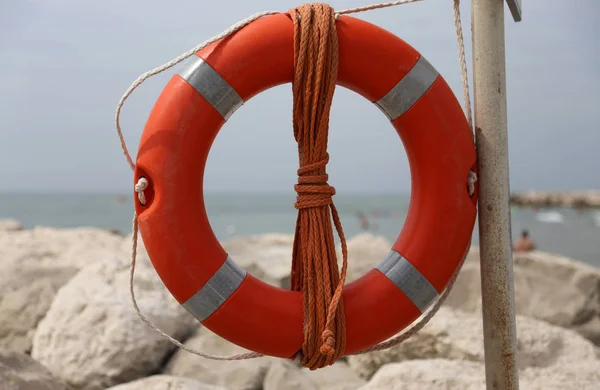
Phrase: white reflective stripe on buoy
x=409 y=280
x=212 y=87
x=216 y=291
x=408 y=90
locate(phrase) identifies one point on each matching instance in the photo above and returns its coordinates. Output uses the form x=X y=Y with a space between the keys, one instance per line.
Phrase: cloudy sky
x=65 y=64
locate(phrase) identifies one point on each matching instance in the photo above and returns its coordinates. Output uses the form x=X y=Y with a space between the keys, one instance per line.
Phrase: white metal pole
x=497 y=287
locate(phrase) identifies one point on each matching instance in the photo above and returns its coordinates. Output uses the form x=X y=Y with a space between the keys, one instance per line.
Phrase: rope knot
x=328 y=346
x=312 y=188
x=140 y=187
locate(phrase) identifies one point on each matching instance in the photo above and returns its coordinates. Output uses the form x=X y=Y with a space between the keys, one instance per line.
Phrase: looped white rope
x=170 y=64
x=374 y=6
x=471 y=180
x=174 y=341
x=464 y=76
x=139 y=188
x=142 y=183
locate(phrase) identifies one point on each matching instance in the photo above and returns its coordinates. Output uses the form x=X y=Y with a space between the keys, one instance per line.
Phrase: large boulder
x=10 y=225
x=267 y=257
x=587 y=318
x=552 y=288
x=568 y=376
x=35 y=264
x=165 y=382
x=92 y=338
x=20 y=372
x=233 y=375
x=444 y=374
x=453 y=334
x=433 y=374
x=22 y=309
x=365 y=251
x=43 y=247
x=263 y=373
x=287 y=375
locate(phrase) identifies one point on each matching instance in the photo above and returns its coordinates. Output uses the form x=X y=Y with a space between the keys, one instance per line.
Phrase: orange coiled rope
x=314 y=263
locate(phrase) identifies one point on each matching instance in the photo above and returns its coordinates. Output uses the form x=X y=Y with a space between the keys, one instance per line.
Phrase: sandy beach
x=66 y=322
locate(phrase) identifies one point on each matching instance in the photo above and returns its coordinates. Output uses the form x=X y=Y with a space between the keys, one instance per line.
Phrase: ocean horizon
x=565 y=232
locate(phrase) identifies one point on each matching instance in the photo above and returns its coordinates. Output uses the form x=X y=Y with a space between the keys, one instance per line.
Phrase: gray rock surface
x=35 y=264
x=92 y=338
x=456 y=335
x=234 y=375
x=10 y=225
x=556 y=289
x=165 y=382
x=444 y=374
x=20 y=372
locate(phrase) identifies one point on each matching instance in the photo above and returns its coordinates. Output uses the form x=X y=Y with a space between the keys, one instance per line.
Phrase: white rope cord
x=463 y=65
x=174 y=341
x=239 y=25
x=142 y=183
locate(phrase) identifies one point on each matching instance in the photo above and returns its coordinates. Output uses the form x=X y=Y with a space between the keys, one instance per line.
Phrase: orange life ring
x=175 y=145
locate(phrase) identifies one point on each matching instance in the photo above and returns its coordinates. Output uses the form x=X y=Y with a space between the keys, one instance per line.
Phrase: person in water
x=524 y=243
x=364 y=222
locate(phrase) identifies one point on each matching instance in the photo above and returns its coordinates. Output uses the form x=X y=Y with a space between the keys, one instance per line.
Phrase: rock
x=579 y=199
x=434 y=374
x=20 y=372
x=443 y=374
x=165 y=382
x=20 y=312
x=234 y=375
x=569 y=376
x=254 y=374
x=285 y=375
x=36 y=263
x=10 y=225
x=267 y=257
x=365 y=251
x=288 y=375
x=43 y=248
x=552 y=288
x=465 y=294
x=92 y=338
x=338 y=376
x=587 y=318
x=244 y=245
x=457 y=335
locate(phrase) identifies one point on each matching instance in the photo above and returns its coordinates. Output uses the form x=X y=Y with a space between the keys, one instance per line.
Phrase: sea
x=561 y=231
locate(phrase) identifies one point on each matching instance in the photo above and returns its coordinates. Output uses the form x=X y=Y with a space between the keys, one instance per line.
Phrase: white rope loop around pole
x=142 y=183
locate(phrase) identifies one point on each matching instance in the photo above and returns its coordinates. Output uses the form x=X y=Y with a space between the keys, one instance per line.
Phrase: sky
x=64 y=64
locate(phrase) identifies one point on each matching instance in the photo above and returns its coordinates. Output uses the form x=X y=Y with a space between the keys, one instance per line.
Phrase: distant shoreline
x=584 y=199
x=535 y=199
